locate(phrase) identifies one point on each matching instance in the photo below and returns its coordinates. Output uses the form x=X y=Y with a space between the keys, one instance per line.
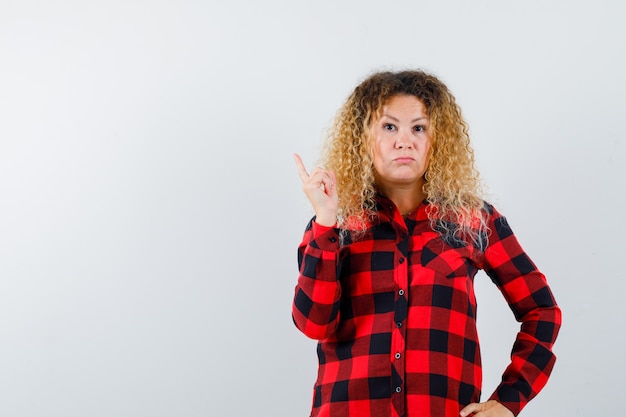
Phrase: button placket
x=397 y=356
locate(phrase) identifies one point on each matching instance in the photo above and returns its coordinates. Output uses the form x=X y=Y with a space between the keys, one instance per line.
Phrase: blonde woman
x=387 y=264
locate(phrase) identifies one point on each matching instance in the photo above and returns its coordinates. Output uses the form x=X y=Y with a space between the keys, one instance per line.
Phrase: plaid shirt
x=395 y=315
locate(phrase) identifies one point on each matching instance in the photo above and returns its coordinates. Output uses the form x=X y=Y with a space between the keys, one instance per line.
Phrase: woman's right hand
x=320 y=189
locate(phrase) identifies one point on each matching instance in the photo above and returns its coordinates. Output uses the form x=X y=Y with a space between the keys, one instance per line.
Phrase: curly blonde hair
x=452 y=186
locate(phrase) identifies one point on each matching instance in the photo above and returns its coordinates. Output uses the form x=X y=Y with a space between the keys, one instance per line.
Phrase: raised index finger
x=304 y=175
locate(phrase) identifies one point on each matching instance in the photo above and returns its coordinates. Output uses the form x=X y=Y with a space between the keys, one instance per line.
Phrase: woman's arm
x=529 y=297
x=316 y=303
x=317 y=297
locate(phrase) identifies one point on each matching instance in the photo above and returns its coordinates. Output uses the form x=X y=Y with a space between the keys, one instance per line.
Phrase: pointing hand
x=320 y=189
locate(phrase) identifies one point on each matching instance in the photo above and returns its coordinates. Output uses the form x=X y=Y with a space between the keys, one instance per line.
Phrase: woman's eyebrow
x=395 y=119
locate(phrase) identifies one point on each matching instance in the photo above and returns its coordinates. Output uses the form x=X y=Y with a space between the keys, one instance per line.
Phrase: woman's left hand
x=489 y=408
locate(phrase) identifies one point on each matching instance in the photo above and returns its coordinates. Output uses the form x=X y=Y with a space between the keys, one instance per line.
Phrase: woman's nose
x=403 y=142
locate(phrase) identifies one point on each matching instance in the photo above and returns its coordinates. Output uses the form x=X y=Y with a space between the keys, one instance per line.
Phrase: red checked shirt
x=395 y=315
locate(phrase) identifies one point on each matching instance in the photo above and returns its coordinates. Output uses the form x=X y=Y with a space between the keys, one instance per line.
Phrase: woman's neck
x=406 y=199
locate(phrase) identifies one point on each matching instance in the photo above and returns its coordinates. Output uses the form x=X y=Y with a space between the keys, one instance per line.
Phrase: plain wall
x=150 y=208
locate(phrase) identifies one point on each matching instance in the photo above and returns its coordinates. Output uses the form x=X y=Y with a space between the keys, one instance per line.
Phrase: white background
x=150 y=208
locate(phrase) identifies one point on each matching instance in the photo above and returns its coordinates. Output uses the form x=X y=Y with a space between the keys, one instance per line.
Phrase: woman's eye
x=388 y=126
x=419 y=128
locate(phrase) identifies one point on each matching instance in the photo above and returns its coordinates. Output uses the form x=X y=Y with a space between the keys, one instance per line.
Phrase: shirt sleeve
x=529 y=297
x=317 y=297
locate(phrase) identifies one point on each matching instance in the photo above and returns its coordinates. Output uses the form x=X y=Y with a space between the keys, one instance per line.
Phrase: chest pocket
x=452 y=273
x=446 y=260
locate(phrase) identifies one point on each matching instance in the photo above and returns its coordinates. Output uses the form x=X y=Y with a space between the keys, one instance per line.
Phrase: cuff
x=509 y=397
x=326 y=237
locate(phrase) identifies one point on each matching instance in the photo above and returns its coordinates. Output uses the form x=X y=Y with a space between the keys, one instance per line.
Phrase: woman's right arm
x=316 y=302
x=317 y=297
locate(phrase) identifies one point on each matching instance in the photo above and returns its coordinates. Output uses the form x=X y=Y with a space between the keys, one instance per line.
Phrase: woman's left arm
x=529 y=297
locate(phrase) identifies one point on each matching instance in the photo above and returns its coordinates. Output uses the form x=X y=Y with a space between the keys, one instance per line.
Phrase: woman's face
x=400 y=143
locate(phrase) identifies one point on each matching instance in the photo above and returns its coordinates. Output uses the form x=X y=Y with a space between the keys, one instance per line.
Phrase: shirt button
x=398 y=355
x=333 y=239
x=398 y=389
x=401 y=260
x=399 y=324
x=401 y=292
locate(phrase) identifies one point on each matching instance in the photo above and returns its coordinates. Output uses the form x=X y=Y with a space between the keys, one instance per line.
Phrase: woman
x=387 y=264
